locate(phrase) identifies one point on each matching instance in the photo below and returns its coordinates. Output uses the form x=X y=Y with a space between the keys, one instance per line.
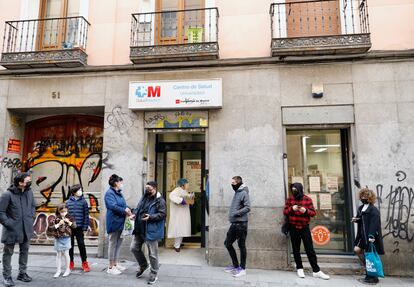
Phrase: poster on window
x=332 y=184
x=314 y=198
x=325 y=201
x=314 y=184
x=192 y=172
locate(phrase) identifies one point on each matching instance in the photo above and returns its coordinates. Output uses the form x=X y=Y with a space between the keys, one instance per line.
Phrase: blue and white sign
x=192 y=94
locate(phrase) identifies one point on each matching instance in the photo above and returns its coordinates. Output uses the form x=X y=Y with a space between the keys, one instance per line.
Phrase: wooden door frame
x=41 y=26
x=180 y=39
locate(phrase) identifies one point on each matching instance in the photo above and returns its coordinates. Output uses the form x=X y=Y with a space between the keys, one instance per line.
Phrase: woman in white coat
x=179 y=225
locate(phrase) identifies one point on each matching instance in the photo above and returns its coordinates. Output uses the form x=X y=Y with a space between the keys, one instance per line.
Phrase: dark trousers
x=304 y=234
x=78 y=233
x=136 y=248
x=8 y=251
x=237 y=231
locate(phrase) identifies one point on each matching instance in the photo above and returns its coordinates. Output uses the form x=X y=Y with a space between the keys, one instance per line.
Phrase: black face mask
x=364 y=201
x=236 y=186
x=28 y=184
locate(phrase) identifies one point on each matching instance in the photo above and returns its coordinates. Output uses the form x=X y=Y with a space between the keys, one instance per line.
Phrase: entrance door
x=177 y=160
x=53 y=30
x=307 y=18
x=173 y=25
x=319 y=160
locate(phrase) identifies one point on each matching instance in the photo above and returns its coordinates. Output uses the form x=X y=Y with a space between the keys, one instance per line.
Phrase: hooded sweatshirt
x=240 y=205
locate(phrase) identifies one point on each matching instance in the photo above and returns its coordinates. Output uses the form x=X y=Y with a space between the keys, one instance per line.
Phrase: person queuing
x=79 y=210
x=17 y=215
x=149 y=229
x=299 y=209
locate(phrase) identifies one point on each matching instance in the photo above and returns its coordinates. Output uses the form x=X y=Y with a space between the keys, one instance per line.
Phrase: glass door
x=183 y=159
x=318 y=159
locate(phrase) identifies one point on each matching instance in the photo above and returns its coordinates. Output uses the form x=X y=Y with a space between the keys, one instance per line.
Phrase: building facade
x=319 y=92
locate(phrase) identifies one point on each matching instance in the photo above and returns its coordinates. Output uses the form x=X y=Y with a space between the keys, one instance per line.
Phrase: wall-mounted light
x=317 y=90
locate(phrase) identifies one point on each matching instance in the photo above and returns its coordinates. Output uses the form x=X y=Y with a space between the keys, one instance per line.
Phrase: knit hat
x=181 y=182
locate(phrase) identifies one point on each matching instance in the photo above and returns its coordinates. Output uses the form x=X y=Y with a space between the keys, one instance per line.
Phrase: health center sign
x=193 y=94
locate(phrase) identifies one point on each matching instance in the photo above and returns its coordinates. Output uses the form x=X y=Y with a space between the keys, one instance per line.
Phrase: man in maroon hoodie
x=299 y=208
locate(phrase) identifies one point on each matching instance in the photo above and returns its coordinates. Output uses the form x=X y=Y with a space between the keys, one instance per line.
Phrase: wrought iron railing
x=319 y=18
x=174 y=27
x=45 y=34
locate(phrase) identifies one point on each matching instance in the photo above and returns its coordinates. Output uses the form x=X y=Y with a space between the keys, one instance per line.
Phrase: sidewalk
x=42 y=268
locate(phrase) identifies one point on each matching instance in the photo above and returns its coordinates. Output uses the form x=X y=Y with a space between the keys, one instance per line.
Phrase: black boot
x=24 y=277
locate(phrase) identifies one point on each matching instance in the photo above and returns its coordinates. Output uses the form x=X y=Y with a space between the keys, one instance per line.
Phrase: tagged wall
x=60 y=152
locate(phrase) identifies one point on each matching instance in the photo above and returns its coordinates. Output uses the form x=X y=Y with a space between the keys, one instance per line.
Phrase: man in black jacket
x=17 y=214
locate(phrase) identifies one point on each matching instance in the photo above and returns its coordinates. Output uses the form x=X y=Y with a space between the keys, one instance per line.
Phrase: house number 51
x=55 y=95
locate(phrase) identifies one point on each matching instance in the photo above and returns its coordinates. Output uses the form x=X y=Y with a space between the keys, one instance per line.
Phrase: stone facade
x=247 y=137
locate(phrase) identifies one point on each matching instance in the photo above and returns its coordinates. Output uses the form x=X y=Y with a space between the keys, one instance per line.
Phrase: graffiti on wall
x=181 y=119
x=120 y=120
x=59 y=156
x=396 y=203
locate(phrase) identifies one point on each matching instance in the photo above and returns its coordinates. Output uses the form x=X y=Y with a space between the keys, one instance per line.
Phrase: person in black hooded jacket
x=17 y=214
x=369 y=229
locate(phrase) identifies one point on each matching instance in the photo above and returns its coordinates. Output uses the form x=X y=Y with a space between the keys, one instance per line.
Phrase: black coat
x=17 y=214
x=369 y=224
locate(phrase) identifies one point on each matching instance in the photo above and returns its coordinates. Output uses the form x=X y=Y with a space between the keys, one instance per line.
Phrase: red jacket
x=296 y=218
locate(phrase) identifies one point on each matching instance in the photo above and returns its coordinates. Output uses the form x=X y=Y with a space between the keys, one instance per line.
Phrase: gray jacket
x=240 y=205
x=17 y=213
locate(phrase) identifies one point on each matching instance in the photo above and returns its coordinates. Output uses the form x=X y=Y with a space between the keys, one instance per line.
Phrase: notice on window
x=332 y=184
x=325 y=201
x=314 y=184
x=192 y=172
x=314 y=198
x=297 y=179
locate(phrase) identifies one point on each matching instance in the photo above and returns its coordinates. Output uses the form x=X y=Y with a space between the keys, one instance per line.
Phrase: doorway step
x=333 y=264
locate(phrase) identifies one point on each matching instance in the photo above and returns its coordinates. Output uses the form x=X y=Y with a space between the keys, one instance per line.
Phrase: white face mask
x=79 y=193
x=64 y=214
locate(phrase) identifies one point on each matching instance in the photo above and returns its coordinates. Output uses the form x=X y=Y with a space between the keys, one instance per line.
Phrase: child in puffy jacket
x=79 y=210
x=61 y=229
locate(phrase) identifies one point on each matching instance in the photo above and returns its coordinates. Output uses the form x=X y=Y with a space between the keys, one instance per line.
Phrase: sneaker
x=120 y=267
x=8 y=282
x=113 y=271
x=301 y=274
x=67 y=273
x=57 y=274
x=72 y=265
x=141 y=271
x=85 y=266
x=230 y=269
x=239 y=272
x=321 y=275
x=153 y=278
x=24 y=277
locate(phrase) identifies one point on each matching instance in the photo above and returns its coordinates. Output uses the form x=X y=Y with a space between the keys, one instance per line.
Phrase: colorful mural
x=172 y=120
x=60 y=152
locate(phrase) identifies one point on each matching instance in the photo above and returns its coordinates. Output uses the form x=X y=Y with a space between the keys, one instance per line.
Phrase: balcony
x=42 y=43
x=321 y=27
x=182 y=35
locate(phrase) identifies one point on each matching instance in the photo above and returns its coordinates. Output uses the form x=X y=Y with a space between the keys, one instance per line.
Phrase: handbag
x=285 y=226
x=373 y=262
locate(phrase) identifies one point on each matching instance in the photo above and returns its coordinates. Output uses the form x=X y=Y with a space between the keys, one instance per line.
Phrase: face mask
x=64 y=214
x=28 y=184
x=79 y=193
x=121 y=186
x=236 y=186
x=147 y=191
x=364 y=201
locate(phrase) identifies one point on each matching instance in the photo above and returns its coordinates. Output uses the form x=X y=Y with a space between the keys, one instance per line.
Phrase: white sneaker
x=301 y=274
x=238 y=272
x=113 y=271
x=57 y=274
x=67 y=272
x=321 y=275
x=120 y=267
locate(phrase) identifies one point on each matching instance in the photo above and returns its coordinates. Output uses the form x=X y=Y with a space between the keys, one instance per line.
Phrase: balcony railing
x=320 y=27
x=45 y=43
x=174 y=35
